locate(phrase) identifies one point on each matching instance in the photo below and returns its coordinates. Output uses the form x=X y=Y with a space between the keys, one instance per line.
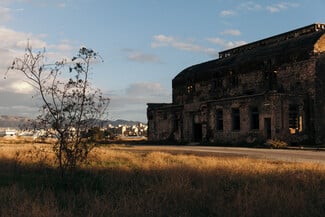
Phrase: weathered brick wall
x=271 y=75
x=297 y=77
x=320 y=100
x=221 y=87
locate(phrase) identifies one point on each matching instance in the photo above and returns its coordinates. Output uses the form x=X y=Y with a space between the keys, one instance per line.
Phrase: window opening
x=217 y=83
x=219 y=120
x=295 y=121
x=234 y=81
x=235 y=115
x=189 y=88
x=255 y=121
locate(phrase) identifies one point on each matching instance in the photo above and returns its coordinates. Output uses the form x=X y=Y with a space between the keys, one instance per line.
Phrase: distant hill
x=120 y=122
x=7 y=121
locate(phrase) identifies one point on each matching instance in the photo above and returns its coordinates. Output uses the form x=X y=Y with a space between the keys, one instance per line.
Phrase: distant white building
x=8 y=132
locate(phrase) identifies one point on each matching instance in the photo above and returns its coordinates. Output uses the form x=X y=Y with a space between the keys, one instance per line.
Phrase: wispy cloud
x=226 y=44
x=281 y=6
x=227 y=13
x=63 y=46
x=251 y=6
x=232 y=32
x=4 y=14
x=13 y=45
x=39 y=3
x=145 y=89
x=137 y=56
x=18 y=40
x=185 y=45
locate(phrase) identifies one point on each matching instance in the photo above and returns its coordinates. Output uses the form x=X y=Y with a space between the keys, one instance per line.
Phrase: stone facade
x=269 y=89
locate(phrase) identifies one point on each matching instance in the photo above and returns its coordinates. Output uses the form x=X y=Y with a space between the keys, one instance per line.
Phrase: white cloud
x=4 y=14
x=21 y=87
x=13 y=44
x=185 y=45
x=63 y=46
x=18 y=40
x=138 y=56
x=232 y=32
x=162 y=41
x=251 y=6
x=232 y=44
x=39 y=3
x=145 y=89
x=217 y=41
x=247 y=6
x=281 y=6
x=226 y=44
x=227 y=13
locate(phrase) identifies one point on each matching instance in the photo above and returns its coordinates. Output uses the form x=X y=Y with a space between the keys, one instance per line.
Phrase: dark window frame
x=254 y=118
x=219 y=120
x=293 y=116
x=234 y=81
x=217 y=83
x=189 y=89
x=235 y=119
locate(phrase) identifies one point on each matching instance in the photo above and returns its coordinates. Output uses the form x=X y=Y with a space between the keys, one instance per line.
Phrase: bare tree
x=70 y=105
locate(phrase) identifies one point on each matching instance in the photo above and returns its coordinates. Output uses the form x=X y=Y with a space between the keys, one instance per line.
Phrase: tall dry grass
x=127 y=183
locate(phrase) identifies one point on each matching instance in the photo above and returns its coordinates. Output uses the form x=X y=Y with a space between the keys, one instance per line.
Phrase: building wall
x=290 y=84
x=284 y=83
x=320 y=100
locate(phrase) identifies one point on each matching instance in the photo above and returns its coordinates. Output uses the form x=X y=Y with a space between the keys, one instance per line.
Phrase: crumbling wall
x=281 y=77
x=320 y=100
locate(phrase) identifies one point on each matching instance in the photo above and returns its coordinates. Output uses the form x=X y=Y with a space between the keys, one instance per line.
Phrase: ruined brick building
x=269 y=89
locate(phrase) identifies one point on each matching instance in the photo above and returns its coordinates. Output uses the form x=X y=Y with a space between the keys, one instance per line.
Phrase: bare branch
x=69 y=108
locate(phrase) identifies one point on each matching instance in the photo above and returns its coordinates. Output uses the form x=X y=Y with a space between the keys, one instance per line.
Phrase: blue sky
x=144 y=43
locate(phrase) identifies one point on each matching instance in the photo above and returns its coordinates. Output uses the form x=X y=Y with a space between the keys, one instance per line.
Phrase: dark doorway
x=267 y=128
x=197 y=131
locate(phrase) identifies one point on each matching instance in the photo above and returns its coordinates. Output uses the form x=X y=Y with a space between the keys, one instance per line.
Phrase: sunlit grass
x=127 y=183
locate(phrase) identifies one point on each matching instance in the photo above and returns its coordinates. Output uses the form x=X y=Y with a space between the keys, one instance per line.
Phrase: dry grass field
x=127 y=183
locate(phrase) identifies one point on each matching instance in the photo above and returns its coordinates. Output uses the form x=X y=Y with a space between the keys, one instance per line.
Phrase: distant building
x=139 y=129
x=269 y=89
x=8 y=132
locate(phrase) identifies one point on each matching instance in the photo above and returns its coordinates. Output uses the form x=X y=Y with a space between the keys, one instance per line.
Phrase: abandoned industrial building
x=269 y=89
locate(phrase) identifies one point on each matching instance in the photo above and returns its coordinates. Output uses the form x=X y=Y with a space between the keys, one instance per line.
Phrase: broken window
x=295 y=121
x=254 y=119
x=235 y=117
x=189 y=89
x=217 y=83
x=234 y=81
x=293 y=116
x=219 y=120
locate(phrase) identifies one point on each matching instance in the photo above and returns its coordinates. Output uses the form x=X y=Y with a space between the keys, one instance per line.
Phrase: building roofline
x=274 y=39
x=162 y=105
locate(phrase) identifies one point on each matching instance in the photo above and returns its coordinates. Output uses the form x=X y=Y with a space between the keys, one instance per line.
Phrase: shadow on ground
x=38 y=190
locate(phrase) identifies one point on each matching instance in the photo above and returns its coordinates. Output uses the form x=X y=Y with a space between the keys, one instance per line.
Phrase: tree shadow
x=174 y=191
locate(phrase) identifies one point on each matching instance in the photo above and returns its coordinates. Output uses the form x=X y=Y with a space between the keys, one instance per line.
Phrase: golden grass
x=127 y=183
